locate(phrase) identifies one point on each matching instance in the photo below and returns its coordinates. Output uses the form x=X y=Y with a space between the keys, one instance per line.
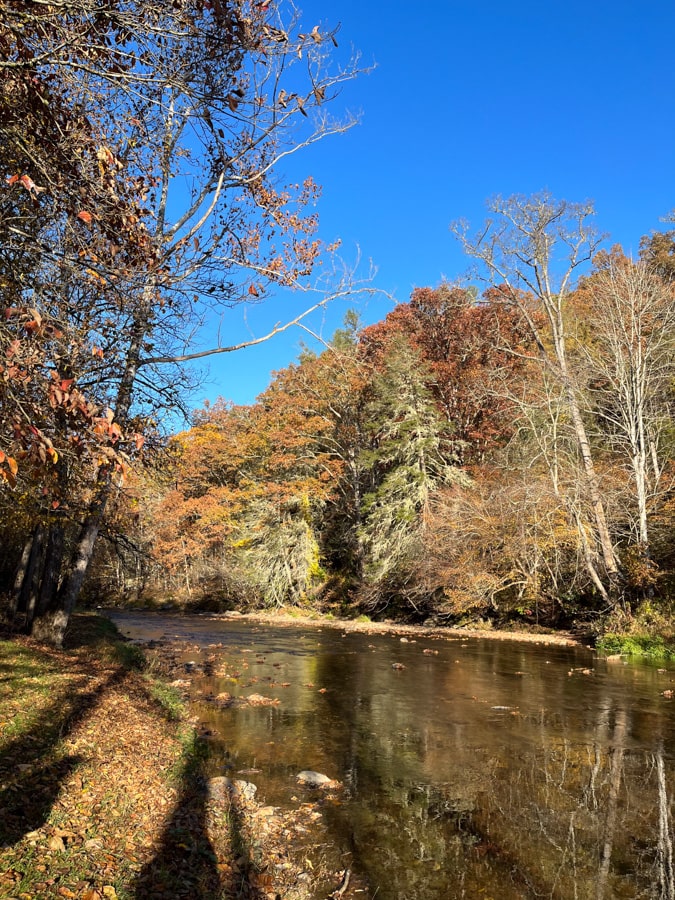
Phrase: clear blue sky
x=468 y=100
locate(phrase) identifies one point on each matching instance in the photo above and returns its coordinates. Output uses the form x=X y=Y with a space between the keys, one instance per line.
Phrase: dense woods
x=494 y=455
x=499 y=450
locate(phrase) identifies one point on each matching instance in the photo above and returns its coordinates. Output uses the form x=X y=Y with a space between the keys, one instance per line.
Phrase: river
x=470 y=768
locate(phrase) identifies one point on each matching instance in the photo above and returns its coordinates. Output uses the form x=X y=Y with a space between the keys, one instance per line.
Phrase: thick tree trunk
x=51 y=571
x=30 y=586
x=38 y=573
x=20 y=577
x=50 y=627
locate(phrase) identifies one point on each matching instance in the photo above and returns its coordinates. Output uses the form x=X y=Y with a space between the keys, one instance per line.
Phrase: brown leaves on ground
x=83 y=778
x=99 y=797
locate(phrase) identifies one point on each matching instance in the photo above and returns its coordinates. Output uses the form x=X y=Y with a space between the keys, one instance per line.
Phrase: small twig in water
x=344 y=884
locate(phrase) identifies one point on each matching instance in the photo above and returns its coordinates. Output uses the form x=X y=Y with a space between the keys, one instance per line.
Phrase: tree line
x=490 y=450
x=498 y=452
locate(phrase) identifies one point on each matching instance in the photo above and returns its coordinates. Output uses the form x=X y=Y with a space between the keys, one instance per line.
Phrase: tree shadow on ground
x=32 y=770
x=186 y=864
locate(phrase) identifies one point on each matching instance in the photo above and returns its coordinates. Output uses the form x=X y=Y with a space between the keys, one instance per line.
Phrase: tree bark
x=20 y=576
x=51 y=571
x=50 y=627
x=31 y=583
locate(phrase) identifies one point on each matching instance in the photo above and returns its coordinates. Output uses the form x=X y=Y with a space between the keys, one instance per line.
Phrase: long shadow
x=31 y=780
x=185 y=866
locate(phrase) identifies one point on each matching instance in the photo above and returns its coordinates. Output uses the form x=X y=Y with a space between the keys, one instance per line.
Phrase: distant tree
x=469 y=345
x=407 y=458
x=657 y=251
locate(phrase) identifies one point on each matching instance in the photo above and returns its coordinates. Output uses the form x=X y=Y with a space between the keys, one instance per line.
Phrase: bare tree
x=630 y=357
x=532 y=250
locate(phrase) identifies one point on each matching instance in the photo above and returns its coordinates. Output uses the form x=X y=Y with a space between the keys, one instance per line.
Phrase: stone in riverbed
x=221 y=787
x=316 y=779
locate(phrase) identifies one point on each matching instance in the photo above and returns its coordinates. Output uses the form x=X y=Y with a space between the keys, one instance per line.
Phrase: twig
x=344 y=884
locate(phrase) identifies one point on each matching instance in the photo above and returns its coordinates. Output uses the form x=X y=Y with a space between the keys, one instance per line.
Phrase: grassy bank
x=648 y=633
x=102 y=792
x=638 y=646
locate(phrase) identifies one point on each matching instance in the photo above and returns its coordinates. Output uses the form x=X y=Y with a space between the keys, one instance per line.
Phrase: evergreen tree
x=410 y=455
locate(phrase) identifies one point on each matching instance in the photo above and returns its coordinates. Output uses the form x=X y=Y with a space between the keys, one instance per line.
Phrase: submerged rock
x=316 y=779
x=259 y=700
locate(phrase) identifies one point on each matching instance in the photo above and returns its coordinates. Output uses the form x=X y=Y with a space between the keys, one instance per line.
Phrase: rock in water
x=219 y=788
x=313 y=779
x=244 y=789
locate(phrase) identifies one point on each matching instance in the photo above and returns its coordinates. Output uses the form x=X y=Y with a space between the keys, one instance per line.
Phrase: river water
x=470 y=768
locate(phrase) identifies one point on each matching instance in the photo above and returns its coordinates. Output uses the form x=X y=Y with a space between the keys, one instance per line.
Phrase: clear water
x=484 y=769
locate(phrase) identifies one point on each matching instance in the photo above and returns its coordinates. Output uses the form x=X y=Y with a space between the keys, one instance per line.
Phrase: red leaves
x=8 y=468
x=26 y=181
x=85 y=216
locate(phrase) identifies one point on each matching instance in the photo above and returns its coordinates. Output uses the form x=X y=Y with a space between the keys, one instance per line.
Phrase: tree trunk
x=31 y=583
x=603 y=535
x=51 y=626
x=20 y=577
x=51 y=570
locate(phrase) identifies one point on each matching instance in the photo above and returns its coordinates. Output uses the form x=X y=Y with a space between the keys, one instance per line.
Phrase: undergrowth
x=645 y=646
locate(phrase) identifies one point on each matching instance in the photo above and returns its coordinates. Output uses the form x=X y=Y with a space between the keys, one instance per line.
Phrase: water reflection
x=479 y=769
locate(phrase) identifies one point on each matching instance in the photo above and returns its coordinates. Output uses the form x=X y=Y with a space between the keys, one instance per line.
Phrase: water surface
x=481 y=768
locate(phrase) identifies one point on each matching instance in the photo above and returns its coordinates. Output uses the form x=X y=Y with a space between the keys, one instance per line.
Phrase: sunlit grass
x=644 y=646
x=168 y=698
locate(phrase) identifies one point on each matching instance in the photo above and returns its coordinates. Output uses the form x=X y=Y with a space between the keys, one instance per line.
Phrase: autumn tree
x=629 y=313
x=160 y=206
x=408 y=456
x=469 y=345
x=533 y=249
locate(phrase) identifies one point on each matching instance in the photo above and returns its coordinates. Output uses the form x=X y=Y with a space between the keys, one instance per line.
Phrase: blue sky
x=468 y=100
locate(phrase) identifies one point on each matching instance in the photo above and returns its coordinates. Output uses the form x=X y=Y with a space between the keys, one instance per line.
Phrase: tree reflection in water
x=489 y=769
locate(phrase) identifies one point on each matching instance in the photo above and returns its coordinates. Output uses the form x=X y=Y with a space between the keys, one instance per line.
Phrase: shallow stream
x=472 y=768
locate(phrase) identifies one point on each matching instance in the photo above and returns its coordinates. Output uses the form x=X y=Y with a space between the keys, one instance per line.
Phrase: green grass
x=168 y=698
x=98 y=633
x=644 y=646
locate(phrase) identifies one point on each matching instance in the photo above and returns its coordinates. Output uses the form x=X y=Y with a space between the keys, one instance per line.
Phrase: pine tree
x=411 y=453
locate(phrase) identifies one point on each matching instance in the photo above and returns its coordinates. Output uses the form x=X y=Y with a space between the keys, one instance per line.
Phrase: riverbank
x=102 y=791
x=367 y=626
